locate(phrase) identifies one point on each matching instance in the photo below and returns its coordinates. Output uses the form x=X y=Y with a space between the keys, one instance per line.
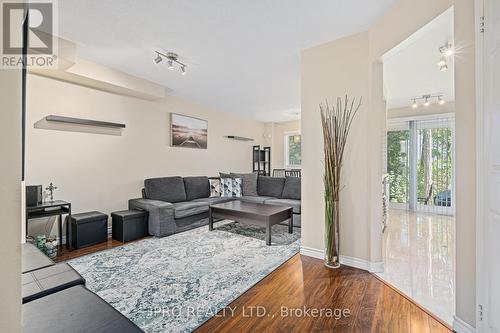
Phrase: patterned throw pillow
x=215 y=188
x=237 y=187
x=226 y=187
x=230 y=187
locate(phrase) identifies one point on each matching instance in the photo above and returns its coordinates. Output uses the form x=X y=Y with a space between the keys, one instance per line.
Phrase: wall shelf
x=79 y=121
x=239 y=138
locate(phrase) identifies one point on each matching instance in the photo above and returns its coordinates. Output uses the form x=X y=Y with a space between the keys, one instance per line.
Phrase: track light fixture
x=427 y=100
x=172 y=59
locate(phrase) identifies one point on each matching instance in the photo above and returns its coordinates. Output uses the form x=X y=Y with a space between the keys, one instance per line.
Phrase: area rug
x=176 y=283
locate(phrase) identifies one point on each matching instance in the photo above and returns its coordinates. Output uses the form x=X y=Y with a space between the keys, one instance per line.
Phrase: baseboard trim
x=461 y=326
x=374 y=267
x=311 y=252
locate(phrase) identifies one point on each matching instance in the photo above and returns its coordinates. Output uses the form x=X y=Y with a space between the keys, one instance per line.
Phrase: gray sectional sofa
x=177 y=204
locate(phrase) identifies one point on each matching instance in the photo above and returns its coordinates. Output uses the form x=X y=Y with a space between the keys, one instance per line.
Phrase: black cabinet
x=261 y=160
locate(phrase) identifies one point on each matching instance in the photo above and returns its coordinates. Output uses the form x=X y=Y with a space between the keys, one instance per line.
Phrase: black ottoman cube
x=129 y=225
x=88 y=229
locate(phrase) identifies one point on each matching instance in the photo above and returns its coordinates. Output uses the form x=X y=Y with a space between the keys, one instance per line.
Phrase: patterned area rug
x=176 y=283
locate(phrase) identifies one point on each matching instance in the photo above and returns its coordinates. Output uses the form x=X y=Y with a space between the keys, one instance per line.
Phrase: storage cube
x=88 y=229
x=129 y=225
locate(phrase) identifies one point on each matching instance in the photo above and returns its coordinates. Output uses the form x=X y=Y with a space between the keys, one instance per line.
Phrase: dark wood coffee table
x=252 y=213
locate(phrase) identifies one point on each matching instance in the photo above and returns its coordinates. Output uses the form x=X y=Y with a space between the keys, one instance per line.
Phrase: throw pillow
x=248 y=183
x=224 y=175
x=292 y=188
x=271 y=186
x=215 y=188
x=226 y=185
x=237 y=187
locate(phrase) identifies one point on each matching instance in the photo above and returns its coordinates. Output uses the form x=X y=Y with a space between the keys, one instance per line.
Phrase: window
x=420 y=164
x=293 y=150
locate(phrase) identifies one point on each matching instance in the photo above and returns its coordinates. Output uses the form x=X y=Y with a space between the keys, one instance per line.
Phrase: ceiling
x=411 y=69
x=243 y=56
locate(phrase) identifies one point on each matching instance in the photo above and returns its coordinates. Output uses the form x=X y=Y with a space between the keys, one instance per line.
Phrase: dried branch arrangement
x=336 y=122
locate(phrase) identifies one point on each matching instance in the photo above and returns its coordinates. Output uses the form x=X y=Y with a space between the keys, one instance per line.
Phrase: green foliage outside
x=442 y=162
x=294 y=157
x=397 y=165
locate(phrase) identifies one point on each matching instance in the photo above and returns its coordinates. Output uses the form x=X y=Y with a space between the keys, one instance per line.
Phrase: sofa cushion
x=189 y=208
x=248 y=182
x=32 y=258
x=224 y=175
x=214 y=200
x=295 y=204
x=48 y=280
x=258 y=199
x=169 y=189
x=75 y=309
x=270 y=186
x=196 y=187
x=291 y=190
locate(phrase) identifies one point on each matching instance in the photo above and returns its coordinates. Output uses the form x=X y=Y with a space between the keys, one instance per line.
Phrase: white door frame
x=481 y=261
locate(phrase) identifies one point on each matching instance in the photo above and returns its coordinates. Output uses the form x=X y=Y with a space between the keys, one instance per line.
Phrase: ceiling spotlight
x=171 y=65
x=158 y=59
x=443 y=68
x=447 y=50
x=414 y=104
x=183 y=70
x=448 y=53
x=441 y=100
x=442 y=61
x=427 y=103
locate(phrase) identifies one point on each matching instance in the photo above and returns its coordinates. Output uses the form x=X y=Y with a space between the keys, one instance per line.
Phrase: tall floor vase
x=336 y=122
x=332 y=235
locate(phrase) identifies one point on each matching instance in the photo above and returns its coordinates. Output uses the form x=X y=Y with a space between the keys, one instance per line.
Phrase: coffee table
x=252 y=213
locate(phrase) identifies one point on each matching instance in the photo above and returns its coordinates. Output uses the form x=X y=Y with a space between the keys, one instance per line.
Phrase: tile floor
x=419 y=250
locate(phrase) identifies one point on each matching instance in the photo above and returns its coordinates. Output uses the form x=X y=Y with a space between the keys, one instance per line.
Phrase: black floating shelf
x=78 y=121
x=239 y=138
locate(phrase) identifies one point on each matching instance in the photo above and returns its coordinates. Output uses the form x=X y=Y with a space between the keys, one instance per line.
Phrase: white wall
x=10 y=196
x=328 y=71
x=101 y=172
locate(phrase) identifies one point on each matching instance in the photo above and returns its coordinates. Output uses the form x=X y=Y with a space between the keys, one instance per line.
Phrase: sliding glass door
x=420 y=163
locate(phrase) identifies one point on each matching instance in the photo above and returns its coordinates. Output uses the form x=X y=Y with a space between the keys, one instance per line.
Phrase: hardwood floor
x=304 y=283
x=65 y=254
